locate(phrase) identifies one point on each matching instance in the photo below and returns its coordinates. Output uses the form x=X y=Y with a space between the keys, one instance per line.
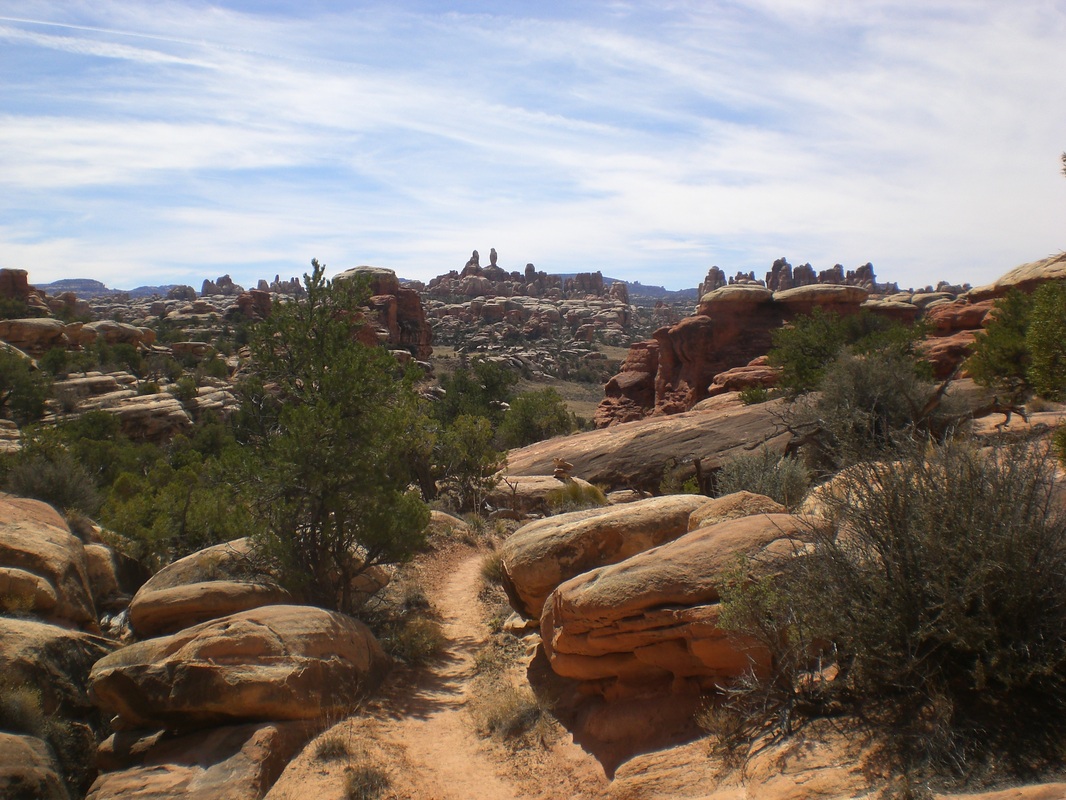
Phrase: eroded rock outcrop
x=651 y=620
x=734 y=325
x=541 y=555
x=399 y=310
x=631 y=455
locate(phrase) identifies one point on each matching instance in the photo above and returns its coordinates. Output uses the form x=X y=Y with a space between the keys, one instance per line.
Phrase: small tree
x=23 y=391
x=1000 y=357
x=1045 y=339
x=534 y=416
x=328 y=421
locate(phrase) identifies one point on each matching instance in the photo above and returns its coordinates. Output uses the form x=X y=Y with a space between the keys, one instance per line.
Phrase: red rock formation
x=254 y=304
x=400 y=311
x=14 y=284
x=734 y=325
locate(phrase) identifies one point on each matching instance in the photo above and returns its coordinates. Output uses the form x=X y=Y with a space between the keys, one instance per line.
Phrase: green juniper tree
x=328 y=423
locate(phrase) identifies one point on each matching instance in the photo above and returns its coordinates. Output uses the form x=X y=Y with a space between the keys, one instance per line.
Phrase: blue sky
x=167 y=142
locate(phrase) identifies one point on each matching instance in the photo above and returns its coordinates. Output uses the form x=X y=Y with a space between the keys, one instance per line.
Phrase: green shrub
x=939 y=588
x=804 y=350
x=468 y=460
x=784 y=479
x=55 y=362
x=754 y=395
x=13 y=308
x=186 y=389
x=869 y=405
x=679 y=477
x=148 y=387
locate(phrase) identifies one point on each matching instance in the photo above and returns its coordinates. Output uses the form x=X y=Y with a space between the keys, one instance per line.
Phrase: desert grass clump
x=415 y=640
x=366 y=782
x=492 y=569
x=332 y=748
x=784 y=479
x=574 y=496
x=507 y=712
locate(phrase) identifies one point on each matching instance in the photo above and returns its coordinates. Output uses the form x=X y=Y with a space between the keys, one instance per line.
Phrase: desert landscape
x=547 y=611
x=621 y=400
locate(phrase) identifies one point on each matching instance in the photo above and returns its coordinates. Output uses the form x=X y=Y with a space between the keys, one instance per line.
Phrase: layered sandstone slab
x=543 y=554
x=653 y=618
x=631 y=455
x=271 y=663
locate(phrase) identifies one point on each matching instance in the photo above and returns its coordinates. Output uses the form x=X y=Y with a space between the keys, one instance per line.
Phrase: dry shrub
x=939 y=588
x=574 y=496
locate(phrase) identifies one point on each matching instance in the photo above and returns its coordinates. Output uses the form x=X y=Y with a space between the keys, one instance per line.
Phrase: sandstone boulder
x=269 y=663
x=804 y=299
x=44 y=560
x=945 y=319
x=652 y=618
x=113 y=332
x=541 y=555
x=152 y=417
x=760 y=375
x=28 y=770
x=733 y=506
x=212 y=583
x=947 y=353
x=237 y=762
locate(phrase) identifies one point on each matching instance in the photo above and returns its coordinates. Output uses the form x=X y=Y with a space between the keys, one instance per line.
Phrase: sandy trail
x=445 y=757
x=420 y=731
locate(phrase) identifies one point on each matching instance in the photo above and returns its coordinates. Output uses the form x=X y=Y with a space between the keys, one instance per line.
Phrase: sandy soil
x=420 y=730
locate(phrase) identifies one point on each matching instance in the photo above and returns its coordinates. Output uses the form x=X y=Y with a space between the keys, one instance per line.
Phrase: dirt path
x=419 y=730
x=445 y=758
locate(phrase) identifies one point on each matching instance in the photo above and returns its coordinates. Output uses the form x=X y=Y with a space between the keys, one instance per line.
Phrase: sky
x=168 y=142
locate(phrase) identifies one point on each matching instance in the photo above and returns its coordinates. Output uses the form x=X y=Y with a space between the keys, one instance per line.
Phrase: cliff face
x=734 y=325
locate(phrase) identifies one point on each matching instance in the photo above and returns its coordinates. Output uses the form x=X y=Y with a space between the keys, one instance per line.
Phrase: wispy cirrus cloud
x=175 y=141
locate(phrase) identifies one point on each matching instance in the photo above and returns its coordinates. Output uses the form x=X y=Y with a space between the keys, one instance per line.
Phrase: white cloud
x=646 y=141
